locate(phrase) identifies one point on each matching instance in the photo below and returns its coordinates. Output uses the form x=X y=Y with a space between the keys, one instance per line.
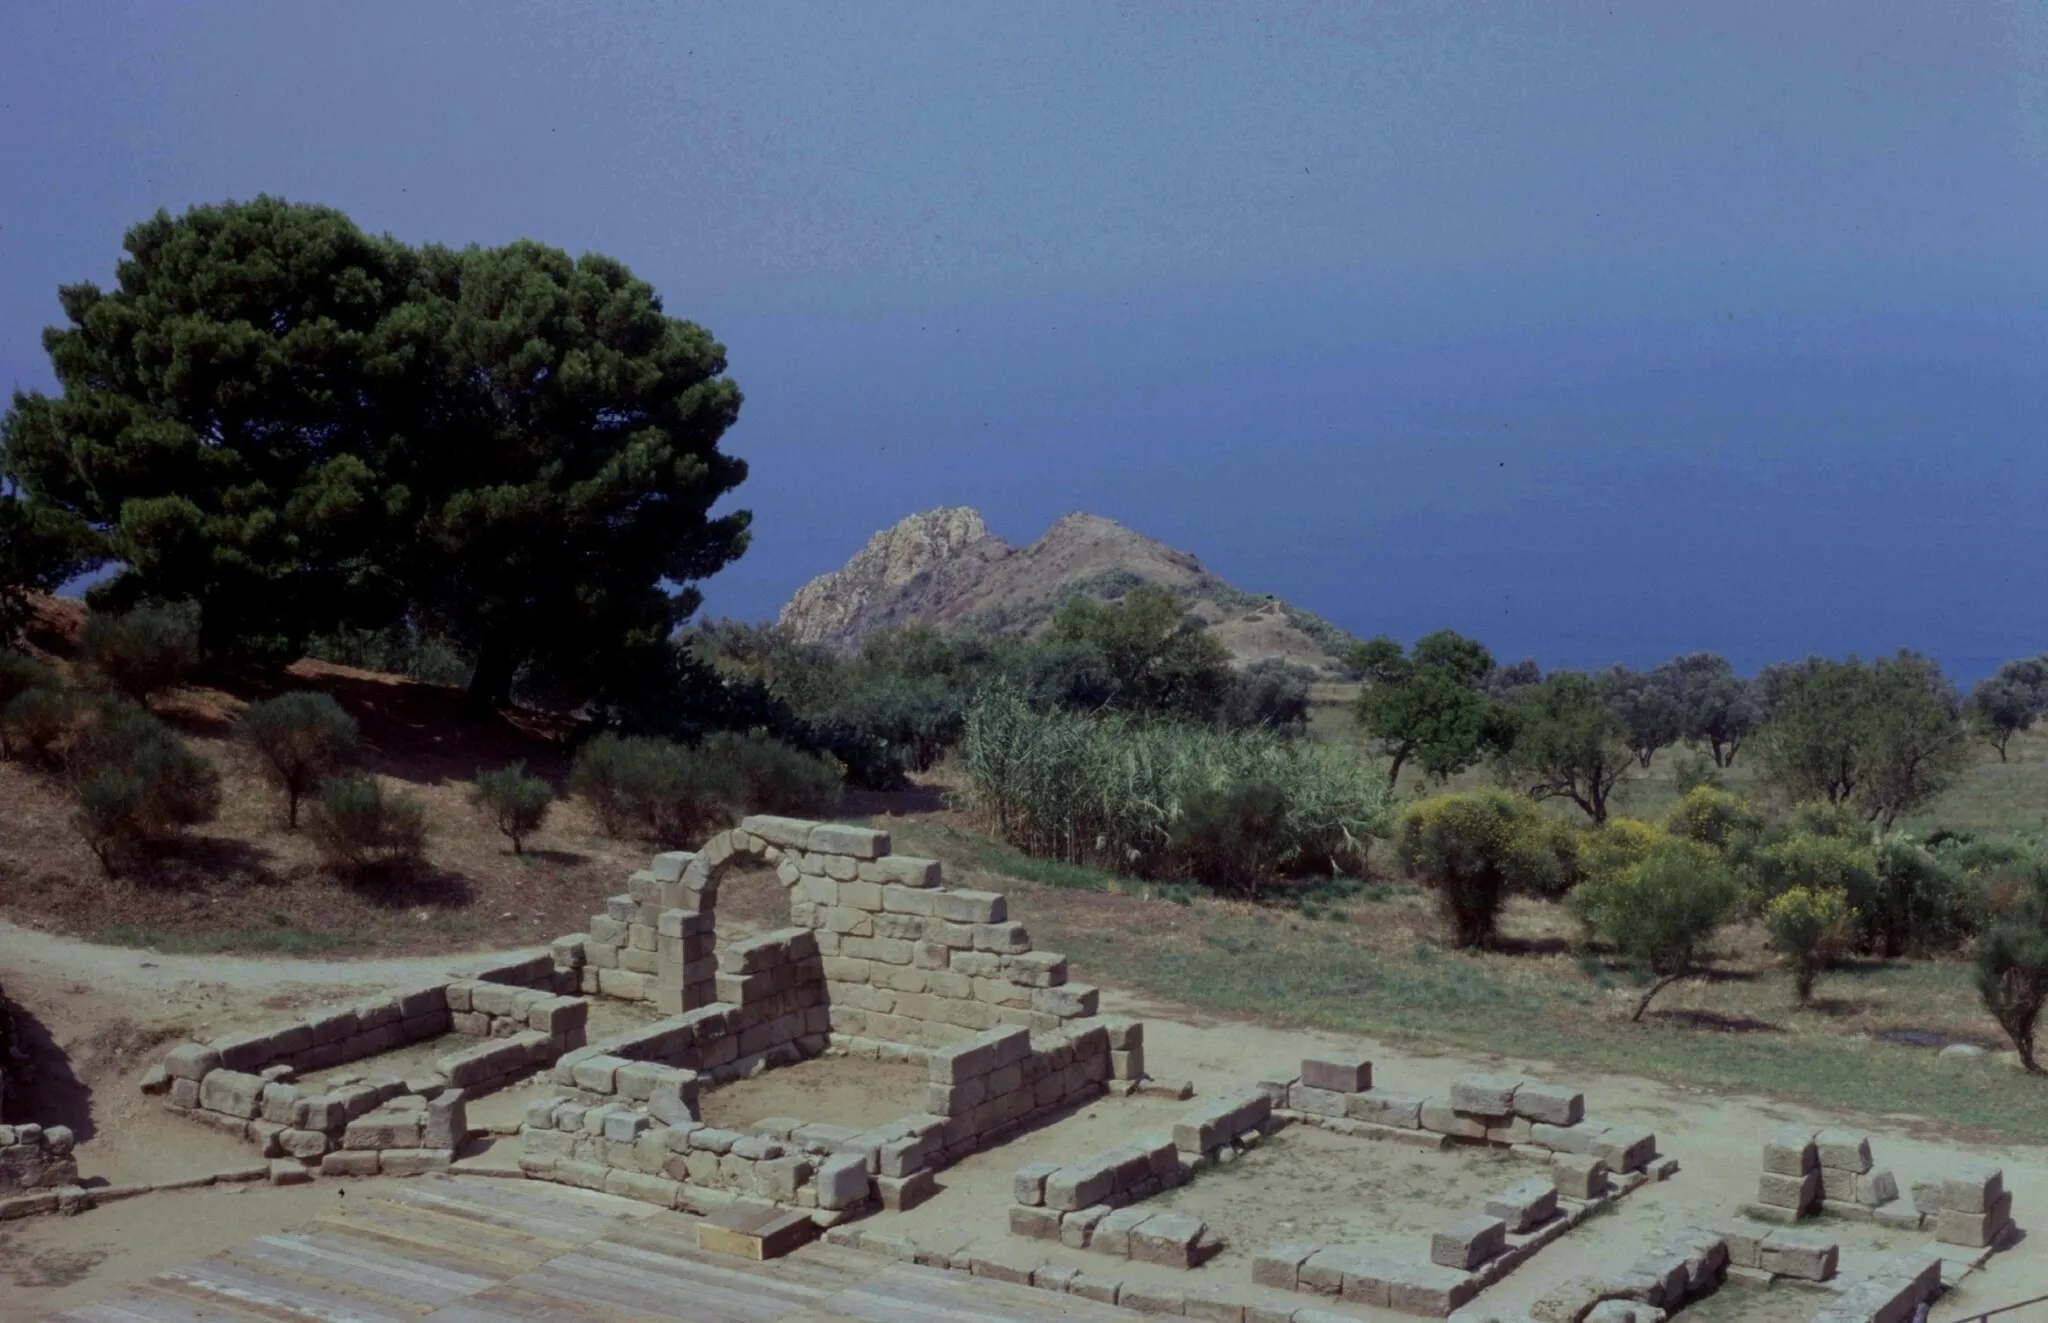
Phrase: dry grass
x=244 y=882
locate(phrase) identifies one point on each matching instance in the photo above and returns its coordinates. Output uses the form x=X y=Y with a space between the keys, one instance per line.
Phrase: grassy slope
x=1374 y=964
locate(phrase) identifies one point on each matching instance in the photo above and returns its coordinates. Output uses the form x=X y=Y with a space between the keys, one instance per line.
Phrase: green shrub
x=1810 y=928
x=516 y=803
x=135 y=781
x=2012 y=978
x=142 y=652
x=361 y=829
x=1475 y=848
x=915 y=720
x=20 y=673
x=1694 y=771
x=395 y=650
x=298 y=740
x=36 y=719
x=1921 y=903
x=1712 y=816
x=1107 y=791
x=1661 y=912
x=1231 y=837
x=678 y=794
x=773 y=776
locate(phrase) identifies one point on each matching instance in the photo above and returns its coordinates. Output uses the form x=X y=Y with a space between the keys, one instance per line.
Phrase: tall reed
x=1108 y=791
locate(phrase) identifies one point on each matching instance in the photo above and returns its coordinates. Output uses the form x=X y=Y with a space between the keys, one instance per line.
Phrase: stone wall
x=625 y=1148
x=1536 y=1119
x=244 y=1084
x=991 y=1085
x=905 y=959
x=35 y=1159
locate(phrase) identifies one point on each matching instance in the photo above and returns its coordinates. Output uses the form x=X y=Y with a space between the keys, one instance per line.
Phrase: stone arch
x=687 y=941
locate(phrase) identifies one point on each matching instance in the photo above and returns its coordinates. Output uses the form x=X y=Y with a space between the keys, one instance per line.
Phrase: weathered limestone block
x=1843 y=1150
x=1791 y=1151
x=1579 y=1176
x=1034 y=1221
x=1347 y=1074
x=1803 y=1257
x=971 y=907
x=1955 y=1226
x=232 y=1093
x=1383 y=1107
x=1551 y=1104
x=1973 y=1189
x=1797 y=1193
x=191 y=1061
x=1304 y=1097
x=1485 y=1095
x=1167 y=1238
x=840 y=839
x=1469 y=1241
x=1526 y=1204
x=1281 y=1266
x=1625 y=1148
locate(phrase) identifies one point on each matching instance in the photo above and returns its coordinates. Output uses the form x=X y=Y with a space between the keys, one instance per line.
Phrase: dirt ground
x=1327 y=1189
x=834 y=1090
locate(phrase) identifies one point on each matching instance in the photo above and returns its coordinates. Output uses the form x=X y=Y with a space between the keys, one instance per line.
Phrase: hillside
x=946 y=569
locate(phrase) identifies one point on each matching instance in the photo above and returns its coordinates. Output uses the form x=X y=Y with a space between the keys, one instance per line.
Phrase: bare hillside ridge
x=946 y=569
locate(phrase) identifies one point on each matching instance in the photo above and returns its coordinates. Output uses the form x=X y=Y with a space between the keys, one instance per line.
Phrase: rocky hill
x=944 y=568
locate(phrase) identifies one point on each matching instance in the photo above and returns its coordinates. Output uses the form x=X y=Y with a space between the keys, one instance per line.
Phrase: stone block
x=1035 y=1221
x=1304 y=1097
x=1113 y=1232
x=1382 y=1107
x=1445 y=1120
x=191 y=1061
x=1954 y=1226
x=971 y=907
x=1843 y=1150
x=1791 y=1151
x=1551 y=1104
x=842 y=1181
x=841 y=839
x=1579 y=1176
x=1028 y=1185
x=1797 y=1193
x=1429 y=1289
x=1485 y=1095
x=1526 y=1204
x=1167 y=1238
x=1280 y=1267
x=1973 y=1189
x=1469 y=1241
x=1347 y=1074
x=357 y=1162
x=1801 y=1257
x=232 y=1093
x=1077 y=1229
x=1625 y=1148
x=289 y=1171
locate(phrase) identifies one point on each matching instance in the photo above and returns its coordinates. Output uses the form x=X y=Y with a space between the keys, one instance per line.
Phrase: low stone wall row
x=34 y=1160
x=1808 y=1171
x=995 y=1083
x=623 y=1148
x=1505 y=1111
x=244 y=1084
x=1464 y=1258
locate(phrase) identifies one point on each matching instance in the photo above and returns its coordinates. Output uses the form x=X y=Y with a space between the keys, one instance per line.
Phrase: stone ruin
x=882 y=959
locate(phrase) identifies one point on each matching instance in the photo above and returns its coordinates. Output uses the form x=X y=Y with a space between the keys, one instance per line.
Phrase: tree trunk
x=491 y=683
x=1394 y=768
x=1655 y=988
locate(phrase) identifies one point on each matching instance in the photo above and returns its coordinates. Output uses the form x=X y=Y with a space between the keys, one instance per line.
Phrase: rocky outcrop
x=944 y=568
x=834 y=609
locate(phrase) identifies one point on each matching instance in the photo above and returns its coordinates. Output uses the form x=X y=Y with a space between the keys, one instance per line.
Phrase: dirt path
x=99 y=1014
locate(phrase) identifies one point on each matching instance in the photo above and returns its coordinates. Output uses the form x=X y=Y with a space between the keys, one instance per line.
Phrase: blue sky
x=1600 y=331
